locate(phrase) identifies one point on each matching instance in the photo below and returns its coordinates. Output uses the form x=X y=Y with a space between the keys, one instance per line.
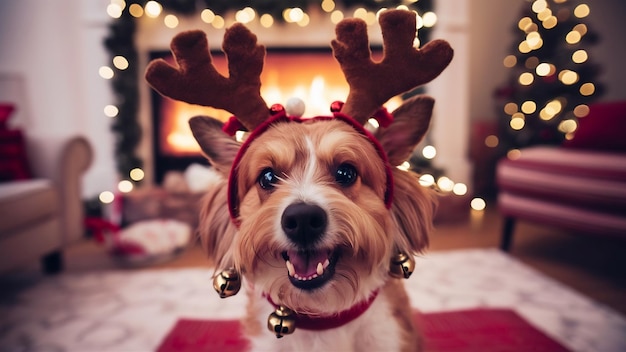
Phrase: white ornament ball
x=295 y=107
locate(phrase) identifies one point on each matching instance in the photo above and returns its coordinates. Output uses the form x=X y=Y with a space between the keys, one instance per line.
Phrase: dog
x=313 y=217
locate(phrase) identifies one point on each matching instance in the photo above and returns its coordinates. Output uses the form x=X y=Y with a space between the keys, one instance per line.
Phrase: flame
x=281 y=79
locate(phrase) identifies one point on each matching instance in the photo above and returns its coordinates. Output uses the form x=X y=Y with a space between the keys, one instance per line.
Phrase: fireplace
x=310 y=73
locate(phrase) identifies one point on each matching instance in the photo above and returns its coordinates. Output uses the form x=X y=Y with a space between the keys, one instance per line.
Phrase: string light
x=430 y=19
x=405 y=166
x=529 y=107
x=207 y=16
x=218 y=22
x=514 y=154
x=460 y=189
x=526 y=78
x=587 y=89
x=429 y=152
x=120 y=62
x=581 y=110
x=245 y=15
x=106 y=72
x=304 y=21
x=170 y=21
x=136 y=174
x=114 y=10
x=153 y=9
x=125 y=186
x=510 y=108
x=111 y=111
x=266 y=20
x=509 y=61
x=579 y=56
x=445 y=184
x=328 y=5
x=135 y=10
x=492 y=141
x=106 y=197
x=478 y=204
x=427 y=180
x=573 y=37
x=336 y=16
x=582 y=11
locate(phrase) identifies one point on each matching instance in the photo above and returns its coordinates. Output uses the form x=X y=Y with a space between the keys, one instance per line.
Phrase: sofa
x=41 y=214
x=579 y=185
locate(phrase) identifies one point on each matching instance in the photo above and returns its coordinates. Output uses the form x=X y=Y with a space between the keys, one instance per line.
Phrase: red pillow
x=13 y=159
x=5 y=112
x=602 y=129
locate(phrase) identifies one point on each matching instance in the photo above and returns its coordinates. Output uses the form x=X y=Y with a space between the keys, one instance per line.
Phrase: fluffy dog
x=313 y=213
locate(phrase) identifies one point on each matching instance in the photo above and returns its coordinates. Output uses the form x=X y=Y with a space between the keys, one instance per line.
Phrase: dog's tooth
x=320 y=269
x=326 y=263
x=290 y=268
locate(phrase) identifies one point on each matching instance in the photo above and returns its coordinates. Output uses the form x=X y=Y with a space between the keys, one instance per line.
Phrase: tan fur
x=304 y=157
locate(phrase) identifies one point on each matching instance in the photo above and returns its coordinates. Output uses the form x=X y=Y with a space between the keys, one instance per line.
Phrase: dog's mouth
x=310 y=269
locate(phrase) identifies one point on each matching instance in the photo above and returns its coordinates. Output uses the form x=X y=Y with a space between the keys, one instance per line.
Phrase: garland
x=125 y=83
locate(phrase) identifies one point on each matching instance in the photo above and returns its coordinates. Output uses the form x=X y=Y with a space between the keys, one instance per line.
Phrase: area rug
x=136 y=310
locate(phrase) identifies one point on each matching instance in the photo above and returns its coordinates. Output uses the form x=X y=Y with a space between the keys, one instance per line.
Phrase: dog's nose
x=304 y=223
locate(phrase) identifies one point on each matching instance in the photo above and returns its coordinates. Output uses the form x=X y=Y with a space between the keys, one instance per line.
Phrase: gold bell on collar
x=227 y=283
x=282 y=322
x=401 y=266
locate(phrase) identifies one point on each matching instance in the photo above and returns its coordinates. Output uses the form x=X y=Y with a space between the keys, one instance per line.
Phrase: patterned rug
x=134 y=310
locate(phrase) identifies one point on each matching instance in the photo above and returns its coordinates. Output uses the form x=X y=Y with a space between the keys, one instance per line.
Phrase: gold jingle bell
x=282 y=322
x=402 y=266
x=227 y=283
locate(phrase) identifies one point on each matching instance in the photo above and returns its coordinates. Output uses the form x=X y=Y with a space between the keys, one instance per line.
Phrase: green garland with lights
x=125 y=82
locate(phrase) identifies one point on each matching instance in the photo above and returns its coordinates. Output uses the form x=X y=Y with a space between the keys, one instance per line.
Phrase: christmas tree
x=551 y=79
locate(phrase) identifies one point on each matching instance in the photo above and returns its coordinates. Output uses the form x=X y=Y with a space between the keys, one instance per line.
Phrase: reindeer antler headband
x=403 y=67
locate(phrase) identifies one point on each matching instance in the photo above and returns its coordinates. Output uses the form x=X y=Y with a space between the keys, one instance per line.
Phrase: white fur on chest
x=374 y=330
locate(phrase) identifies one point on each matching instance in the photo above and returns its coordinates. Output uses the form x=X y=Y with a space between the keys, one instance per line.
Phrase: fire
x=282 y=78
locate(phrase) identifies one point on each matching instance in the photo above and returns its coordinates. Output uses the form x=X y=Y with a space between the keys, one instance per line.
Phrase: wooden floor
x=595 y=267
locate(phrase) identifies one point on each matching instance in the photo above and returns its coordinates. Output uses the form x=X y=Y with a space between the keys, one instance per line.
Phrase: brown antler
x=402 y=68
x=196 y=80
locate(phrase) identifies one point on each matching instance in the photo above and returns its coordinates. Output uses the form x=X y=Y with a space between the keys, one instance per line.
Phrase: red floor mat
x=476 y=330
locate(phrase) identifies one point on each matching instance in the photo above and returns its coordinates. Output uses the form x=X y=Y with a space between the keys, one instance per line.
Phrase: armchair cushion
x=26 y=202
x=583 y=190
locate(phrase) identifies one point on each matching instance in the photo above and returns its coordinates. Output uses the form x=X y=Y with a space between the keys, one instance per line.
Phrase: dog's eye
x=346 y=175
x=267 y=179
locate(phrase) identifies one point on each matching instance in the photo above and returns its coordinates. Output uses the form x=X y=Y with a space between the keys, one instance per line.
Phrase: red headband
x=279 y=115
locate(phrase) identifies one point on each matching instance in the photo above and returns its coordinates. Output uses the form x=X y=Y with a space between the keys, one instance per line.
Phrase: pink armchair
x=580 y=186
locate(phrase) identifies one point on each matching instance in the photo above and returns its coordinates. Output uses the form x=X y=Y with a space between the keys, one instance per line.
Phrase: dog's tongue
x=305 y=262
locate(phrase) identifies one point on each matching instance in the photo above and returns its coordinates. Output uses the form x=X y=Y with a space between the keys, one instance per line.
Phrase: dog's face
x=314 y=231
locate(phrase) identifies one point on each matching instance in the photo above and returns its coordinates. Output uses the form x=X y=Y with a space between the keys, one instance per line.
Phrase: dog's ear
x=413 y=210
x=410 y=123
x=413 y=205
x=216 y=230
x=216 y=145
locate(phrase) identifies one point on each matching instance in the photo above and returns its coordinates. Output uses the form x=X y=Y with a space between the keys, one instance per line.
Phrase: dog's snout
x=304 y=223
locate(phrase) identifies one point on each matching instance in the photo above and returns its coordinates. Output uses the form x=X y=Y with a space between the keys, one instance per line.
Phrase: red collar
x=312 y=322
x=279 y=116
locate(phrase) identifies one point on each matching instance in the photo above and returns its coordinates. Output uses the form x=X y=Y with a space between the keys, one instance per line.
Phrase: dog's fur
x=365 y=233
